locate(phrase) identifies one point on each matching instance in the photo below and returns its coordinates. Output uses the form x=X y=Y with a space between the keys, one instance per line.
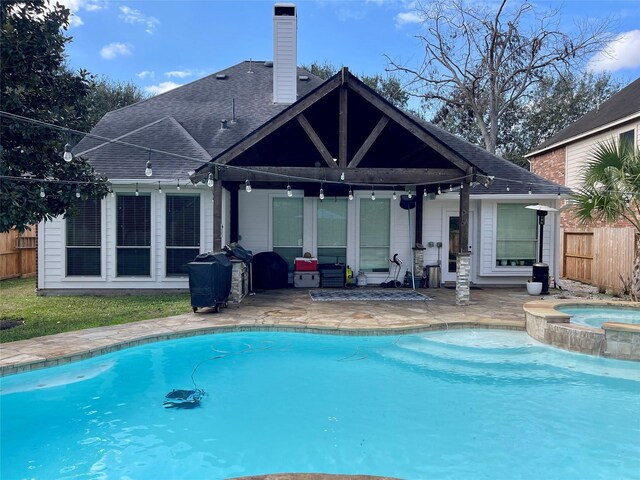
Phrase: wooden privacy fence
x=17 y=254
x=599 y=257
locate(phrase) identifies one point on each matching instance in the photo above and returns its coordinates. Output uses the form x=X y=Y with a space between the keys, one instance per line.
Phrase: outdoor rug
x=368 y=295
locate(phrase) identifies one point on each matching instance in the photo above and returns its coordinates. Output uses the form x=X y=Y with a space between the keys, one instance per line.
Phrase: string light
x=42 y=194
x=439 y=191
x=77 y=192
x=508 y=188
x=529 y=190
x=350 y=194
x=289 y=192
x=424 y=193
x=373 y=194
x=159 y=188
x=410 y=195
x=461 y=185
x=137 y=192
x=395 y=197
x=342 y=176
x=210 y=180
x=178 y=185
x=247 y=186
x=148 y=171
x=67 y=155
x=450 y=188
x=321 y=192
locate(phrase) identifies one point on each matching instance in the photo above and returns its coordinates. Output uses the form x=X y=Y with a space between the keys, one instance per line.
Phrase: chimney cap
x=284 y=10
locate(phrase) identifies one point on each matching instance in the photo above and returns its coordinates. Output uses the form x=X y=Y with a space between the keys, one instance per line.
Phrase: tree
x=551 y=105
x=485 y=61
x=106 y=95
x=34 y=84
x=390 y=88
x=611 y=191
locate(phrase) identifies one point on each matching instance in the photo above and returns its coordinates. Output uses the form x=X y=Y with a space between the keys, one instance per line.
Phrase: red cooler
x=306 y=264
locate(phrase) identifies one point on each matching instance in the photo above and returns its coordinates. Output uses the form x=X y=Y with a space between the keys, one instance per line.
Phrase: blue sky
x=160 y=44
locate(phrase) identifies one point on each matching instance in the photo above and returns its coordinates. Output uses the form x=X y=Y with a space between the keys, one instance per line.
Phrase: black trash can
x=210 y=280
x=541 y=274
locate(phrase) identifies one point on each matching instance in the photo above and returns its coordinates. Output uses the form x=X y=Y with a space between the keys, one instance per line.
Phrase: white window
x=84 y=239
x=332 y=231
x=183 y=232
x=516 y=237
x=627 y=138
x=374 y=234
x=287 y=218
x=133 y=246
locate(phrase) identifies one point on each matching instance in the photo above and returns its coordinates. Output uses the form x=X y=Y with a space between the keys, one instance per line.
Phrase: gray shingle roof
x=197 y=108
x=623 y=104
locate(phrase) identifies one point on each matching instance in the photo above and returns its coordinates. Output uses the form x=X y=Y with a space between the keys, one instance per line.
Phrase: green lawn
x=49 y=315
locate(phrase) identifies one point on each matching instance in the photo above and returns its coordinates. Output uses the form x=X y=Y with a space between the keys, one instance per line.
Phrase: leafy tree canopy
x=35 y=83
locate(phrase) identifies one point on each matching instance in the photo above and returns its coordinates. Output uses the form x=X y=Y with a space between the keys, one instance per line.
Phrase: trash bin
x=433 y=272
x=541 y=274
x=209 y=280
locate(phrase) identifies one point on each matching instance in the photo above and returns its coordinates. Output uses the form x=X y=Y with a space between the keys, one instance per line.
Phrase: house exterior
x=598 y=253
x=274 y=158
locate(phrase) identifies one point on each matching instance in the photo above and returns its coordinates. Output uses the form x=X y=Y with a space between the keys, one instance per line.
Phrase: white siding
x=578 y=152
x=51 y=258
x=285 y=59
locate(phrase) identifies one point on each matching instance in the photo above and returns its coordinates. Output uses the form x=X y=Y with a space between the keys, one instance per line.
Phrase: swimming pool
x=595 y=316
x=461 y=404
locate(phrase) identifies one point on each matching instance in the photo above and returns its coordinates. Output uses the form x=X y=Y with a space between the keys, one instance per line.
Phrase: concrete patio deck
x=285 y=310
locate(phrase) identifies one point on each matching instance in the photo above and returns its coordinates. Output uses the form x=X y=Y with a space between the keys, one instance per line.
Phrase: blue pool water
x=596 y=316
x=462 y=404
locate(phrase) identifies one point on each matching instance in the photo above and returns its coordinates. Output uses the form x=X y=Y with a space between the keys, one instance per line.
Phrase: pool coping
x=98 y=341
x=616 y=340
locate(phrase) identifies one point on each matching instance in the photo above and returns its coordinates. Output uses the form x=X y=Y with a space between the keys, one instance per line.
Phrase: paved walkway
x=290 y=309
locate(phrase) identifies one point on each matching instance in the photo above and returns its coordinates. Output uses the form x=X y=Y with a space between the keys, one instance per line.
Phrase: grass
x=49 y=315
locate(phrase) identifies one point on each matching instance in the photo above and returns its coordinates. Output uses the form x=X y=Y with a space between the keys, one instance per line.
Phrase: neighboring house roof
x=197 y=108
x=624 y=104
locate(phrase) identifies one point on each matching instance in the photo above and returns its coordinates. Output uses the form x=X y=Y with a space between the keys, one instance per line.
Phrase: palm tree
x=611 y=191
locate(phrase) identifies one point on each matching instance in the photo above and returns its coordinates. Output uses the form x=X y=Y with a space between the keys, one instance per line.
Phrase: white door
x=451 y=243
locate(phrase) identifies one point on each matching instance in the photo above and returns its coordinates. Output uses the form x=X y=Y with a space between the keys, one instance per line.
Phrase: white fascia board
x=585 y=134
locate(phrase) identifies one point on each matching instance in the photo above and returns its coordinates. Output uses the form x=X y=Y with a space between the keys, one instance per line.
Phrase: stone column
x=463 y=277
x=418 y=262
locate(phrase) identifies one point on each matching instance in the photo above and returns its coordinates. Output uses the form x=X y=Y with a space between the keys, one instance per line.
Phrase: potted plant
x=534 y=288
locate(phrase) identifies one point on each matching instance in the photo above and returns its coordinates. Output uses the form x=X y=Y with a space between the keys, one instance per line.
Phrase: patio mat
x=388 y=295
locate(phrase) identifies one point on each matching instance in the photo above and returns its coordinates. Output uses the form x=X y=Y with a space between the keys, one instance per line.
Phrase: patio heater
x=540 y=269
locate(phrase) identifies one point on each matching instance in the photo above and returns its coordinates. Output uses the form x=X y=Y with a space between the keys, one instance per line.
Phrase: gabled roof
x=624 y=104
x=272 y=144
x=198 y=108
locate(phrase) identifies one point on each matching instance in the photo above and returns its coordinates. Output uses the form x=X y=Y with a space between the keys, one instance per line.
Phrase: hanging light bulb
x=247 y=186
x=529 y=189
x=77 y=192
x=67 y=155
x=159 y=188
x=439 y=190
x=178 y=185
x=373 y=195
x=42 y=194
x=148 y=171
x=137 y=192
x=410 y=195
x=342 y=176
x=461 y=185
x=210 y=180
x=394 y=195
x=289 y=192
x=508 y=188
x=450 y=188
x=350 y=194
x=424 y=192
x=321 y=192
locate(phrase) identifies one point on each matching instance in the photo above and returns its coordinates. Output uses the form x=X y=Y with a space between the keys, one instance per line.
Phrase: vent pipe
x=233 y=110
x=285 y=31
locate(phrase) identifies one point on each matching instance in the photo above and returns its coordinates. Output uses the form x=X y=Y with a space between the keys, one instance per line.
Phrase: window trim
x=509 y=270
x=130 y=190
x=201 y=248
x=103 y=250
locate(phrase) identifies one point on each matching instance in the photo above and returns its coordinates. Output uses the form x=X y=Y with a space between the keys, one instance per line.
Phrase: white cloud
x=76 y=6
x=406 y=18
x=145 y=74
x=179 y=73
x=113 y=50
x=133 y=16
x=75 y=20
x=621 y=52
x=161 y=88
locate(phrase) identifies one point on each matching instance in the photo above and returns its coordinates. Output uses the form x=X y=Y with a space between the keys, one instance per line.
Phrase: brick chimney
x=285 y=46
